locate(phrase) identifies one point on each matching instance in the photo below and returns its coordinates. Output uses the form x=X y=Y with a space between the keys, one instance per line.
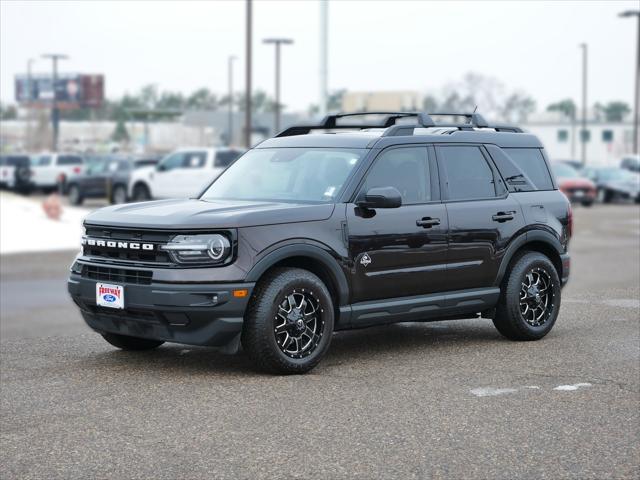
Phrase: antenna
x=475 y=109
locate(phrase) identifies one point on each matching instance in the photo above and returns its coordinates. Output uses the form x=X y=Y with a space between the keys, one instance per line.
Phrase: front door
x=483 y=217
x=164 y=180
x=399 y=252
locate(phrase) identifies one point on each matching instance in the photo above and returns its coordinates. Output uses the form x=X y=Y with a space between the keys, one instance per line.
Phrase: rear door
x=399 y=252
x=164 y=180
x=483 y=217
x=43 y=173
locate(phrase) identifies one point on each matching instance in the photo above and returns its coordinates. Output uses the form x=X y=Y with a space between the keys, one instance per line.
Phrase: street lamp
x=583 y=130
x=636 y=106
x=230 y=68
x=277 y=42
x=29 y=99
x=55 y=114
x=248 y=64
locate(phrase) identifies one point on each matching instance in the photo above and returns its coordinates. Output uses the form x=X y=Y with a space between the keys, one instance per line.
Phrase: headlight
x=199 y=249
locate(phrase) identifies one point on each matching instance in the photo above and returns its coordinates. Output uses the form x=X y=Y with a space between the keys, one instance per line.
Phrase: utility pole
x=230 y=67
x=324 y=36
x=583 y=130
x=247 y=99
x=277 y=42
x=55 y=113
x=636 y=100
x=29 y=140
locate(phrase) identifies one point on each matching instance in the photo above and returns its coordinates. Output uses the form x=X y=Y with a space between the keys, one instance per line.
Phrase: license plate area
x=109 y=295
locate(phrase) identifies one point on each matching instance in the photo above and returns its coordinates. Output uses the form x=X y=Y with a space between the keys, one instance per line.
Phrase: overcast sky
x=373 y=45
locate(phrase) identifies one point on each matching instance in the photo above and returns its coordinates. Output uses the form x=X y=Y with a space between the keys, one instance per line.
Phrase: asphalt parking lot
x=443 y=400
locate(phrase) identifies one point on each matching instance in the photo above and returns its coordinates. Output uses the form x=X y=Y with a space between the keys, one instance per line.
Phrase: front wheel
x=141 y=193
x=530 y=300
x=125 y=342
x=289 y=322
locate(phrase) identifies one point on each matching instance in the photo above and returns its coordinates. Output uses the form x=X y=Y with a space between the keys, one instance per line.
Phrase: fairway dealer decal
x=92 y=242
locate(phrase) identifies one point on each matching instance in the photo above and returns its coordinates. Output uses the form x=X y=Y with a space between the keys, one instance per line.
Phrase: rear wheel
x=530 y=300
x=131 y=343
x=288 y=325
x=119 y=194
x=605 y=196
x=75 y=197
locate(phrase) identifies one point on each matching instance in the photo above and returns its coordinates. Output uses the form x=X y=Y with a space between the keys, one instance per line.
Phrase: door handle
x=427 y=222
x=503 y=216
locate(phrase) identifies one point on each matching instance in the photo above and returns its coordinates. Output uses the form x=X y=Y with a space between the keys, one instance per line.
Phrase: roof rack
x=423 y=120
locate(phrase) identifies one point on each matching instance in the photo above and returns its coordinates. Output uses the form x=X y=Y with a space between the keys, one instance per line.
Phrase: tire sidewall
x=74 y=195
x=114 y=195
x=524 y=266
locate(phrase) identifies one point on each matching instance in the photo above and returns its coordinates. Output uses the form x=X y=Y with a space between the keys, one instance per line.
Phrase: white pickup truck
x=183 y=173
x=48 y=170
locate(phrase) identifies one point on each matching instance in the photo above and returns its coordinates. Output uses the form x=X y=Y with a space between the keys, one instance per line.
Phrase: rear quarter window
x=532 y=163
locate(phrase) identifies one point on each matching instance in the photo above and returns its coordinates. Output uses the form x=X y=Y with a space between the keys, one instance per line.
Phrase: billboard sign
x=71 y=90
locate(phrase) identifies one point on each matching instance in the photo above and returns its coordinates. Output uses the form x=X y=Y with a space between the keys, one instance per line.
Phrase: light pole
x=277 y=42
x=230 y=68
x=636 y=100
x=29 y=92
x=55 y=113
x=247 y=92
x=583 y=129
x=324 y=39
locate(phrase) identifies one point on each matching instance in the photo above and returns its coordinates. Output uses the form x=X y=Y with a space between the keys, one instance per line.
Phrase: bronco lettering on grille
x=93 y=242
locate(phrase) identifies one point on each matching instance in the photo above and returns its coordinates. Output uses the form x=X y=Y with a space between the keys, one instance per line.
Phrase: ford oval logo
x=109 y=298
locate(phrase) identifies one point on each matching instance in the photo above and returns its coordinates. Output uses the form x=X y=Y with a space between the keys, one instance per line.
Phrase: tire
x=141 y=193
x=587 y=203
x=125 y=342
x=266 y=332
x=517 y=321
x=75 y=197
x=605 y=196
x=119 y=195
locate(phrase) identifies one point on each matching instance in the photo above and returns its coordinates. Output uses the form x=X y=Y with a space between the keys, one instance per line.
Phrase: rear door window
x=41 y=161
x=531 y=162
x=194 y=159
x=467 y=173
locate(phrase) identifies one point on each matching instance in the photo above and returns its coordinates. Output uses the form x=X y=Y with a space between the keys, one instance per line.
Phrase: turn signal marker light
x=241 y=293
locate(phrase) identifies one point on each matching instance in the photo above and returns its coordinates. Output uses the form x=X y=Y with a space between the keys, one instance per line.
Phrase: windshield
x=286 y=174
x=564 y=170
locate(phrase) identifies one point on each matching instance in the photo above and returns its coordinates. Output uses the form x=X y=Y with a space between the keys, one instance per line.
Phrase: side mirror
x=160 y=167
x=381 y=197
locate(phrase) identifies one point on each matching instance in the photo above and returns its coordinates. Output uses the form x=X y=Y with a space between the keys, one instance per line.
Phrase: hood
x=179 y=214
x=630 y=185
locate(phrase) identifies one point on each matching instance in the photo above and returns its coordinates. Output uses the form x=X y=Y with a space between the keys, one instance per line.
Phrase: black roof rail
x=330 y=122
x=423 y=119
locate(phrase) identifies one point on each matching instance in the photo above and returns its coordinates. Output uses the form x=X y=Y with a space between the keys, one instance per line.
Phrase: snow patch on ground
x=570 y=388
x=24 y=227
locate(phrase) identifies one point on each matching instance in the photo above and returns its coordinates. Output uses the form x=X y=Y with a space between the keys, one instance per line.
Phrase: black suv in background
x=308 y=233
x=106 y=177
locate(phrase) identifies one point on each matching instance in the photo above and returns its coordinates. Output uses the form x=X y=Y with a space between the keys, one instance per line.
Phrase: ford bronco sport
x=357 y=224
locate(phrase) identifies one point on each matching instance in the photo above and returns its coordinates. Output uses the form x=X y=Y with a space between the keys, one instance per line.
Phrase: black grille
x=117 y=275
x=157 y=238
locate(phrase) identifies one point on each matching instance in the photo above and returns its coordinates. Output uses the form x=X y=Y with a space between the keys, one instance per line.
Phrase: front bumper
x=194 y=314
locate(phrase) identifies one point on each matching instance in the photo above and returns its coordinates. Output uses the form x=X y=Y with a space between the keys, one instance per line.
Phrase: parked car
x=106 y=177
x=51 y=170
x=613 y=183
x=631 y=163
x=183 y=173
x=576 y=187
x=15 y=172
x=309 y=233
